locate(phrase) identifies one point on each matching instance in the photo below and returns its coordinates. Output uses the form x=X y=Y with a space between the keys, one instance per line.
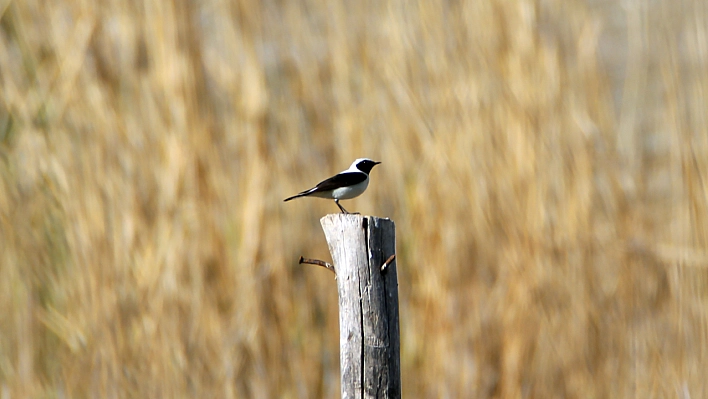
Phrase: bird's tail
x=302 y=194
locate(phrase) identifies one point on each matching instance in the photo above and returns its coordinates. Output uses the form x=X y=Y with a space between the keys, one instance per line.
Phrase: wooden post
x=368 y=304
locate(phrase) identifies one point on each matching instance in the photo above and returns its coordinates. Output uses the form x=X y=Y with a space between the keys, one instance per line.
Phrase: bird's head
x=364 y=164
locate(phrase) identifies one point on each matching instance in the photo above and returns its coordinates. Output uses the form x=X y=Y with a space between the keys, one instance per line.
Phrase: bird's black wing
x=341 y=180
x=344 y=179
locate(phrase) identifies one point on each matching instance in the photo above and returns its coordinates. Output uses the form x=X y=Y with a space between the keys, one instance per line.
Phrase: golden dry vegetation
x=545 y=162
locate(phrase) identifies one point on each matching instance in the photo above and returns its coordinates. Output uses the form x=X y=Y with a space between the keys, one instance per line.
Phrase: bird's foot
x=344 y=211
x=341 y=208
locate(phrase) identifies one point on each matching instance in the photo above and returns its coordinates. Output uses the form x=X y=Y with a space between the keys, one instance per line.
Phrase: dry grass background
x=546 y=164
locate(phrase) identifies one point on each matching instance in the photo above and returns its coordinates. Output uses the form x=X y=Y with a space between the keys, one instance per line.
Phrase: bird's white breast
x=345 y=192
x=351 y=191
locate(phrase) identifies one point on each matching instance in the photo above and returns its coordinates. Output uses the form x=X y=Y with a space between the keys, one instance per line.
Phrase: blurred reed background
x=545 y=162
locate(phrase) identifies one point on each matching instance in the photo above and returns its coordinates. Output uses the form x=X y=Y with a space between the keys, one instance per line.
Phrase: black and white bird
x=347 y=184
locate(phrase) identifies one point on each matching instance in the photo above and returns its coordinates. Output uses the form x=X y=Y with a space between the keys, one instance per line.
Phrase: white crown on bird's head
x=363 y=164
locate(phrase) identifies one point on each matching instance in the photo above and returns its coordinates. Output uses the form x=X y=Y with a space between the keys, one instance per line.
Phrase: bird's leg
x=344 y=210
x=340 y=207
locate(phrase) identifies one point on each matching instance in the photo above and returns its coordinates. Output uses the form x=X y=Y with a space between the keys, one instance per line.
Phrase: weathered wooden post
x=363 y=250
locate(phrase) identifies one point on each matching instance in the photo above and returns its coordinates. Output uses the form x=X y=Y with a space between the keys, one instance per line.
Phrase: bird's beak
x=376 y=163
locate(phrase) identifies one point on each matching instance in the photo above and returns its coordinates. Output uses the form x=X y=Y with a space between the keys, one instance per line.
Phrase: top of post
x=350 y=217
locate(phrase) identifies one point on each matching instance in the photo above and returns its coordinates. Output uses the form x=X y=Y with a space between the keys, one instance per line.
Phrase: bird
x=347 y=184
